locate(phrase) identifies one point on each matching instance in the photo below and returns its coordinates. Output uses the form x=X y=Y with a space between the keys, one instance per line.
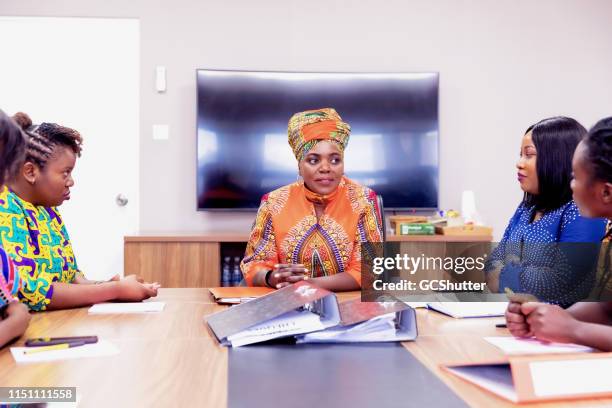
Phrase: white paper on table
x=566 y=377
x=102 y=348
x=288 y=324
x=417 y=305
x=513 y=346
x=64 y=404
x=118 y=308
x=379 y=328
x=74 y=404
x=470 y=309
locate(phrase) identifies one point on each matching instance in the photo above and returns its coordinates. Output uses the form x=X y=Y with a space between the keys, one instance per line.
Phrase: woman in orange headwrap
x=314 y=228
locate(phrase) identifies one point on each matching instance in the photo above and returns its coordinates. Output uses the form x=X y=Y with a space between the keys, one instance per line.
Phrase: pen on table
x=501 y=325
x=51 y=341
x=62 y=346
x=519 y=297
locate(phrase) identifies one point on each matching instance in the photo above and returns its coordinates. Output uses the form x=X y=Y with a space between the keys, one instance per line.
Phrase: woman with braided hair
x=14 y=316
x=34 y=234
x=314 y=228
x=587 y=323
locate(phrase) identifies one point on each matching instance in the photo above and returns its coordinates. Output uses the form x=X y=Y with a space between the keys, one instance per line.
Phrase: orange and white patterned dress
x=286 y=230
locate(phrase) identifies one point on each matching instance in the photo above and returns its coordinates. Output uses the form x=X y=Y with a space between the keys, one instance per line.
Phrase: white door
x=83 y=73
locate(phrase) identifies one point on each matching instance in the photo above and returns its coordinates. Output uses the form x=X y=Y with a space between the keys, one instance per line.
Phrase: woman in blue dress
x=586 y=323
x=535 y=255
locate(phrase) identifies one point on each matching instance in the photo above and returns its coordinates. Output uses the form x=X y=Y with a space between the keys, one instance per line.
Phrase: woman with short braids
x=34 y=235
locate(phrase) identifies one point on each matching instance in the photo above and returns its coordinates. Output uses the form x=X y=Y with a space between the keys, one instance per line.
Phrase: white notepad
x=515 y=346
x=100 y=349
x=553 y=378
x=118 y=308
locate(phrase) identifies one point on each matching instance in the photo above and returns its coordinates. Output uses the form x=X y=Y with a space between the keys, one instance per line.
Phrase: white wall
x=64 y=92
x=503 y=65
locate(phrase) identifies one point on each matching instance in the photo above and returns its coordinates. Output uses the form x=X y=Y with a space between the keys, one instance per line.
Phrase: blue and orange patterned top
x=37 y=241
x=286 y=230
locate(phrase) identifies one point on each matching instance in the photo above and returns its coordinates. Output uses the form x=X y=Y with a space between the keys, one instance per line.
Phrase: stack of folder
x=542 y=377
x=305 y=313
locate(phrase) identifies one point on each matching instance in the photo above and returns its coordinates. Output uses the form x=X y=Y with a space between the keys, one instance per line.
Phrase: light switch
x=161 y=132
x=160 y=79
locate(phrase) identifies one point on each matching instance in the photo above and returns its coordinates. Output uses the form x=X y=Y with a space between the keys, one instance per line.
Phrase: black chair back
x=381 y=216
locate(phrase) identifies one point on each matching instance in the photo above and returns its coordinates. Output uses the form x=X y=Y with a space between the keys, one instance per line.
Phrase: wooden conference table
x=171 y=359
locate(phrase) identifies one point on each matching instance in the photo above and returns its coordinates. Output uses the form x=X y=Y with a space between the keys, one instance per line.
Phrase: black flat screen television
x=242 y=148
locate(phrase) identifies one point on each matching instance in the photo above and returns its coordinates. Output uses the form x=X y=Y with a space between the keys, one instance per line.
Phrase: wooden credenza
x=179 y=260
